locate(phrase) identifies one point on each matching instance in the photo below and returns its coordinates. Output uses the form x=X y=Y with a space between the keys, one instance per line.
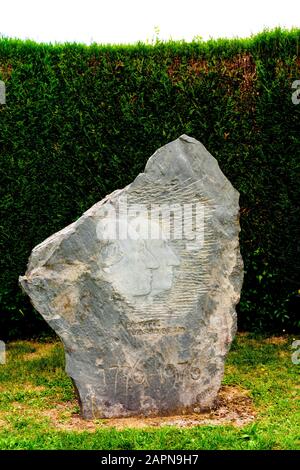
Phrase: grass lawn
x=38 y=409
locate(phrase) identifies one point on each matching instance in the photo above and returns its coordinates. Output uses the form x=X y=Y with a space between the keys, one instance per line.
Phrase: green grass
x=38 y=407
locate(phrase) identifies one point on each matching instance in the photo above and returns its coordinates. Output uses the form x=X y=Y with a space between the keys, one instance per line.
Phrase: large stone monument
x=142 y=288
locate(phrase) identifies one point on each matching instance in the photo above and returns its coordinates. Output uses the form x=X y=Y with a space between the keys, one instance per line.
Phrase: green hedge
x=81 y=121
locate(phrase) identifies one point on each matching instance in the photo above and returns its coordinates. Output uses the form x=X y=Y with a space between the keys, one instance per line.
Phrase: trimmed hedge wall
x=81 y=121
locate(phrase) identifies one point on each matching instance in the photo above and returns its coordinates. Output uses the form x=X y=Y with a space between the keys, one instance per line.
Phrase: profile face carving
x=138 y=267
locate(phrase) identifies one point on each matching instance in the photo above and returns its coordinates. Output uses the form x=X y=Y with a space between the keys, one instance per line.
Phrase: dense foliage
x=80 y=121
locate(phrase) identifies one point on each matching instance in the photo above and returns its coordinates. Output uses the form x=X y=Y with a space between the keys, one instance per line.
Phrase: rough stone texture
x=146 y=323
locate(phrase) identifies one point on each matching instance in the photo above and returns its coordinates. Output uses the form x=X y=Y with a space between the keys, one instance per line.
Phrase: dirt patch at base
x=3 y=424
x=233 y=406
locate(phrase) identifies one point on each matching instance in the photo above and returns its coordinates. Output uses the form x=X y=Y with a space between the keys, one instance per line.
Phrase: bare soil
x=233 y=406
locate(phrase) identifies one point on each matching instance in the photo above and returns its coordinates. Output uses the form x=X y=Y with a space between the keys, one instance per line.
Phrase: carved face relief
x=138 y=267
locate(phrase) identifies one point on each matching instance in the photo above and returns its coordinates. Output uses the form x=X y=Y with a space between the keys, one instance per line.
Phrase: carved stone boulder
x=142 y=288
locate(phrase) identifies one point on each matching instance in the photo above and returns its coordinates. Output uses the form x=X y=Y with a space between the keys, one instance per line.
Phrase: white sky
x=127 y=21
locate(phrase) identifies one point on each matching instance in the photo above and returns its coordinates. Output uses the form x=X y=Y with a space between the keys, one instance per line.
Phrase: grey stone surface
x=146 y=317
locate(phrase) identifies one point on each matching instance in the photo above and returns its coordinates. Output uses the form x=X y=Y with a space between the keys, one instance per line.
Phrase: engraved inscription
x=148 y=327
x=140 y=373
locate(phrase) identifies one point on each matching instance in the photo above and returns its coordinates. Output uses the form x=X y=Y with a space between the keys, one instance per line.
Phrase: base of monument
x=233 y=406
